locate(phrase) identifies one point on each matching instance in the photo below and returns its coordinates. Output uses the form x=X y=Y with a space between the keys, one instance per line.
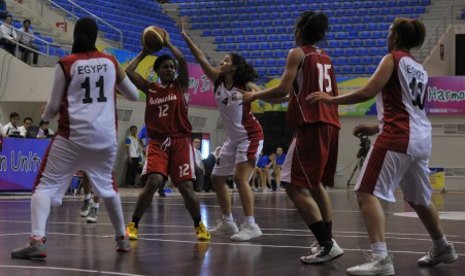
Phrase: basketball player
x=400 y=155
x=244 y=140
x=83 y=95
x=169 y=150
x=310 y=163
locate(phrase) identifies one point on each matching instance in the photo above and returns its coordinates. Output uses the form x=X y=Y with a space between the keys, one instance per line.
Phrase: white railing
x=72 y=13
x=448 y=18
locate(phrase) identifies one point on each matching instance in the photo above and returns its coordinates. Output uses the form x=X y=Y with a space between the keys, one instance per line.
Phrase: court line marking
x=235 y=244
x=68 y=269
x=338 y=233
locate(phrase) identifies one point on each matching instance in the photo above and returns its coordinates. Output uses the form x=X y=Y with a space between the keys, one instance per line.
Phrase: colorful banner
x=20 y=162
x=200 y=86
x=445 y=96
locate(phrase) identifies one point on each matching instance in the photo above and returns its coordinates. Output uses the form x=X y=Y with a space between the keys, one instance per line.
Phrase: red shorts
x=312 y=156
x=173 y=157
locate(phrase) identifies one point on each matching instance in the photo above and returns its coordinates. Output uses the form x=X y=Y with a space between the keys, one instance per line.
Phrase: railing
x=72 y=13
x=66 y=48
x=432 y=39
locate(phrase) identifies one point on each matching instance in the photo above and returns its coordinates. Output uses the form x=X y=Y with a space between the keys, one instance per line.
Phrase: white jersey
x=87 y=112
x=404 y=125
x=238 y=120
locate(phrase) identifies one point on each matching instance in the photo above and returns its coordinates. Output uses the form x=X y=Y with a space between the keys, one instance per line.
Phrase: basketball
x=153 y=38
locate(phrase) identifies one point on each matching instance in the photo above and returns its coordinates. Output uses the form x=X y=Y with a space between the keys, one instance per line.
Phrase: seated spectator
x=11 y=129
x=26 y=37
x=8 y=35
x=3 y=10
x=27 y=122
x=44 y=131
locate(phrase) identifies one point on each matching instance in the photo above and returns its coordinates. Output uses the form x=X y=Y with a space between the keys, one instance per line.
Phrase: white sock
x=40 y=209
x=95 y=204
x=115 y=212
x=379 y=248
x=228 y=217
x=249 y=220
x=87 y=196
x=441 y=243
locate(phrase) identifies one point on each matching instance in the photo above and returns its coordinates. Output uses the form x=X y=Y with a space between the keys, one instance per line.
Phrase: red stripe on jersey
x=251 y=124
x=372 y=170
x=43 y=164
x=396 y=131
x=316 y=69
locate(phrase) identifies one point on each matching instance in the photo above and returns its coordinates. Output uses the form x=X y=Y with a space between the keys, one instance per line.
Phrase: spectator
x=134 y=156
x=23 y=129
x=8 y=35
x=1 y=130
x=199 y=168
x=11 y=129
x=280 y=157
x=261 y=165
x=26 y=37
x=208 y=165
x=143 y=138
x=3 y=10
x=44 y=131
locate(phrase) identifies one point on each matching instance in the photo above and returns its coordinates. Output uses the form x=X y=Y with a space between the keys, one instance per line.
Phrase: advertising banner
x=20 y=162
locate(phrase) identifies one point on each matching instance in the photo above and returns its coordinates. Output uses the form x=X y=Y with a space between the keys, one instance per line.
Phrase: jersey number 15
x=323 y=75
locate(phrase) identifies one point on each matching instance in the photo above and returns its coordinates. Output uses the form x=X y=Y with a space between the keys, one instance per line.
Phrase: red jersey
x=166 y=111
x=316 y=73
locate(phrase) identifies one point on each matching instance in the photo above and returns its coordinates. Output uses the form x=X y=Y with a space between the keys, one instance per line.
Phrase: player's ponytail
x=85 y=35
x=312 y=27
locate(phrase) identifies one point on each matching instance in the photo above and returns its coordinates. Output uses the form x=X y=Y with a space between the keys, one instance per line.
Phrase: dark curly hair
x=159 y=61
x=312 y=26
x=244 y=72
x=85 y=35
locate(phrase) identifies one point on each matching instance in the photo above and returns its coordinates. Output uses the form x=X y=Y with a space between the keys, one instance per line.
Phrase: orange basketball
x=153 y=38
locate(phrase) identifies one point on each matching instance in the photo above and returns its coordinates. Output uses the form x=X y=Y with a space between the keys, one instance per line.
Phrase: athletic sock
x=197 y=221
x=379 y=248
x=136 y=221
x=228 y=217
x=329 y=226
x=440 y=243
x=249 y=220
x=87 y=196
x=320 y=232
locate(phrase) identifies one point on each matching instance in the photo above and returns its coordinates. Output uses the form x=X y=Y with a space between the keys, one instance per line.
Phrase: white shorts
x=63 y=158
x=385 y=170
x=233 y=152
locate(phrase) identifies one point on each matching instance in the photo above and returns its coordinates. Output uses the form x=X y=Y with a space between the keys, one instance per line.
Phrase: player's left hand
x=319 y=97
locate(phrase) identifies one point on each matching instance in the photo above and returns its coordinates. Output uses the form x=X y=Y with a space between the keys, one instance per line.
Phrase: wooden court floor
x=167 y=244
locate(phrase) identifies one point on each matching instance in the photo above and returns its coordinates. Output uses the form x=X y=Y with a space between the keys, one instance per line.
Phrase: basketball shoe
x=323 y=254
x=202 y=232
x=224 y=227
x=246 y=232
x=433 y=257
x=132 y=231
x=122 y=244
x=375 y=265
x=36 y=249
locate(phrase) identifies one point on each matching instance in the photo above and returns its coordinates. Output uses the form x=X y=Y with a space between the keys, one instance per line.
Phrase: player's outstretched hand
x=319 y=97
x=248 y=96
x=182 y=25
x=166 y=41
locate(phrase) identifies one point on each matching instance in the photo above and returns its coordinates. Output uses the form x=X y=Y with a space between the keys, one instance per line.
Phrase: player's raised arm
x=137 y=79
x=211 y=72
